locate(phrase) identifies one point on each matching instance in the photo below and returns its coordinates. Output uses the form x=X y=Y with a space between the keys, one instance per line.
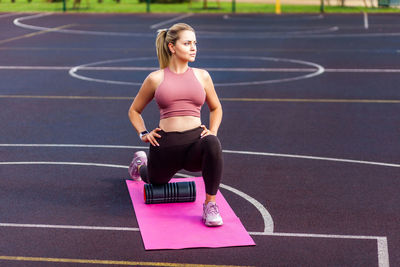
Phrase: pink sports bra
x=180 y=94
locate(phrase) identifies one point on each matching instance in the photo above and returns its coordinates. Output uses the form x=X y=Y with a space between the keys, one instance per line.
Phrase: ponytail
x=163 y=52
x=166 y=36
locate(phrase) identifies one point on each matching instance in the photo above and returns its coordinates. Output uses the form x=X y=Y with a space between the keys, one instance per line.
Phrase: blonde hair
x=166 y=36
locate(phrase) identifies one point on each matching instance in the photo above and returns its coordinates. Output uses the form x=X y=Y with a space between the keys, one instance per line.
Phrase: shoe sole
x=213 y=224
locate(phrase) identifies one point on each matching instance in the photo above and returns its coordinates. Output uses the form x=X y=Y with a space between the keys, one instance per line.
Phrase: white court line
x=262 y=34
x=381 y=242
x=366 y=26
x=356 y=70
x=382 y=246
x=207 y=34
x=74 y=146
x=253 y=153
x=383 y=252
x=267 y=219
x=347 y=35
x=259 y=100
x=33 y=68
x=364 y=70
x=308 y=17
x=156 y=68
x=74 y=227
x=272 y=28
x=63 y=163
x=73 y=71
x=77 y=97
x=17 y=22
x=8 y=15
x=170 y=20
x=313 y=158
x=115 y=228
x=318 y=70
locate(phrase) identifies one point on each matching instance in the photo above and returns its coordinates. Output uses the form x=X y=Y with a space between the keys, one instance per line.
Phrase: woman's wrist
x=143 y=133
x=213 y=132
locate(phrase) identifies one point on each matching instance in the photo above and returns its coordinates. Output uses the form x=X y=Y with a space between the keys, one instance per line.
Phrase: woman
x=180 y=141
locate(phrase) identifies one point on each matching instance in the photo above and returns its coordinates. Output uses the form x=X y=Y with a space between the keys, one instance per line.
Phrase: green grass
x=133 y=6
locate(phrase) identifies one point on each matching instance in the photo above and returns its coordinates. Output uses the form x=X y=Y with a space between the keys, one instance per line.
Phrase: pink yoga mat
x=179 y=225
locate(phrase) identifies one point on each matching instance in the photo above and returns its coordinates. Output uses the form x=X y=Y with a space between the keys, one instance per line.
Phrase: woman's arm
x=213 y=103
x=144 y=96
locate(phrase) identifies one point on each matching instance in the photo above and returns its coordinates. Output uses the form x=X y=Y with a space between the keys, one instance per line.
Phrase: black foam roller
x=171 y=192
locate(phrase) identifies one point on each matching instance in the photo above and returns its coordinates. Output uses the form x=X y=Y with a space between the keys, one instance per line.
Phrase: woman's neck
x=178 y=67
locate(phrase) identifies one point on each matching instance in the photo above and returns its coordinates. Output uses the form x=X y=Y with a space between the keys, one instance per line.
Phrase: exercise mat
x=180 y=225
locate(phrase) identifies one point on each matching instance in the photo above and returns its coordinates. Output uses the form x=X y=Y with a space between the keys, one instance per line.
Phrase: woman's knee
x=211 y=145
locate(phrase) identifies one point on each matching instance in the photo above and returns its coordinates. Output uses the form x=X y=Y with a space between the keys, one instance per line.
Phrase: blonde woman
x=181 y=141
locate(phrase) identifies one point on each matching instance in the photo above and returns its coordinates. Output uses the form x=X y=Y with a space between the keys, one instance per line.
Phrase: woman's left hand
x=205 y=131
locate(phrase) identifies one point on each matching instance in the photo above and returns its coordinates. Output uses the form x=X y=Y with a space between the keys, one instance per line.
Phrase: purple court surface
x=310 y=136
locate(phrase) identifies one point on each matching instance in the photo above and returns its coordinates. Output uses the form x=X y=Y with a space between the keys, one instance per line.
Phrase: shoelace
x=213 y=209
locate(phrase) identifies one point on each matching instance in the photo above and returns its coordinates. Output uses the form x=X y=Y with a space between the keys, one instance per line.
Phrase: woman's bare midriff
x=179 y=124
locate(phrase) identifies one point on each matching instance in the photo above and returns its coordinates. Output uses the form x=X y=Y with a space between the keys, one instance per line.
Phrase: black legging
x=185 y=150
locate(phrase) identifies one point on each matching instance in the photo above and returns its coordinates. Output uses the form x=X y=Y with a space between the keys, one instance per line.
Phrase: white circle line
x=154 y=26
x=17 y=22
x=382 y=247
x=73 y=71
x=318 y=70
x=207 y=34
x=267 y=219
x=63 y=68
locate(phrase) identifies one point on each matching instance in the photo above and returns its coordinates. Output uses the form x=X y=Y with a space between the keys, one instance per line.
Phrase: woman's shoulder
x=201 y=74
x=155 y=77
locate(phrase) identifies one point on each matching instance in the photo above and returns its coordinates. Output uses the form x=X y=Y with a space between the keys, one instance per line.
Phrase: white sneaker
x=139 y=159
x=211 y=216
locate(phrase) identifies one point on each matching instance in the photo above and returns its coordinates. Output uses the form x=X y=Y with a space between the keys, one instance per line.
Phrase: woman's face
x=185 y=47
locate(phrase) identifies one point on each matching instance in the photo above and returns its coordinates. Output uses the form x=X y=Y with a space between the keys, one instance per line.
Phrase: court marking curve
x=315 y=71
x=267 y=218
x=17 y=22
x=363 y=162
x=206 y=35
x=382 y=247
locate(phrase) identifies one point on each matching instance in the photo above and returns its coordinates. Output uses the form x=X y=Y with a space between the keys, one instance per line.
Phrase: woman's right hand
x=151 y=137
